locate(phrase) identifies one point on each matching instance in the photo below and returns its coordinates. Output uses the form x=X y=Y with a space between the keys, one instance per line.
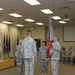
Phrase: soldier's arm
x=51 y=51
x=16 y=52
x=39 y=54
x=56 y=47
x=34 y=49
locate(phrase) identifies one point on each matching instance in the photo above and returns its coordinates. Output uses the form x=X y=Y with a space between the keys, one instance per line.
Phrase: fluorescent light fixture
x=32 y=2
x=6 y=22
x=62 y=22
x=56 y=17
x=29 y=20
x=47 y=11
x=39 y=23
x=19 y=25
x=15 y=15
x=1 y=9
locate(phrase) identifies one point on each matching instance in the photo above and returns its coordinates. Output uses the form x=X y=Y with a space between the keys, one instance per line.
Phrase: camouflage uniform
x=55 y=57
x=63 y=55
x=68 y=53
x=42 y=58
x=72 y=56
x=30 y=54
x=19 y=59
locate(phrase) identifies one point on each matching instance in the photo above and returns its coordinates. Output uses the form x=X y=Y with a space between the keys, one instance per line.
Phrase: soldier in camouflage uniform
x=42 y=57
x=68 y=54
x=30 y=53
x=55 y=55
x=63 y=54
x=72 y=56
x=19 y=58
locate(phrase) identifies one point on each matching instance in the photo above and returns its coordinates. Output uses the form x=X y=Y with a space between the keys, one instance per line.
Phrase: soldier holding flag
x=53 y=49
x=55 y=55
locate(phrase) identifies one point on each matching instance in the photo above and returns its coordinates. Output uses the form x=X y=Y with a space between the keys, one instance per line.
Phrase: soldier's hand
x=47 y=59
x=18 y=60
x=35 y=59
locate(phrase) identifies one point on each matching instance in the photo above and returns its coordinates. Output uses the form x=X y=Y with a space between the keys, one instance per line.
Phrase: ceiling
x=59 y=7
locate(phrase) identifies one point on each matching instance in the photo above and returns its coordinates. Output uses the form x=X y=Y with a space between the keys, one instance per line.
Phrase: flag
x=0 y=43
x=4 y=44
x=50 y=36
x=9 y=47
x=17 y=40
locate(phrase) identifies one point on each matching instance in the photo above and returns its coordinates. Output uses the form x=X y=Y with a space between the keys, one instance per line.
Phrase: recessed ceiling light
x=62 y=22
x=29 y=20
x=47 y=11
x=56 y=17
x=32 y=2
x=39 y=23
x=15 y=15
x=1 y=9
x=6 y=22
x=19 y=25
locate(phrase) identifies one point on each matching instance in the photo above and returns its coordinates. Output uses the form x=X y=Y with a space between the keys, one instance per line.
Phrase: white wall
x=11 y=31
x=38 y=32
x=3 y=31
x=14 y=32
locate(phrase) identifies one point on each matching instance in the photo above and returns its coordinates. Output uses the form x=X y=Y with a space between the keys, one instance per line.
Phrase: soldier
x=30 y=53
x=63 y=54
x=42 y=57
x=72 y=56
x=19 y=58
x=55 y=55
x=68 y=54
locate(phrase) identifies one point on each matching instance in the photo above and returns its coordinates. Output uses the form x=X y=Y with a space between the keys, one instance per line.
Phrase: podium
x=6 y=63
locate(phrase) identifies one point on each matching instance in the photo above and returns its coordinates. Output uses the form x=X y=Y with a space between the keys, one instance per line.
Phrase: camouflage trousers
x=67 y=59
x=20 y=66
x=44 y=65
x=63 y=58
x=29 y=66
x=54 y=67
x=72 y=59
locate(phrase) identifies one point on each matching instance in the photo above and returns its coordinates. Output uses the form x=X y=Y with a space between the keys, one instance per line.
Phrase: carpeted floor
x=63 y=70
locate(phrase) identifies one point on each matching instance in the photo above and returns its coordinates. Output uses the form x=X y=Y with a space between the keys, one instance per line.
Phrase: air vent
x=64 y=8
x=71 y=2
x=11 y=21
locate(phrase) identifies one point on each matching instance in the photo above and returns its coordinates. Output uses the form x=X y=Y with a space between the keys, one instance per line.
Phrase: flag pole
x=9 y=46
x=4 y=46
x=50 y=41
x=50 y=36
